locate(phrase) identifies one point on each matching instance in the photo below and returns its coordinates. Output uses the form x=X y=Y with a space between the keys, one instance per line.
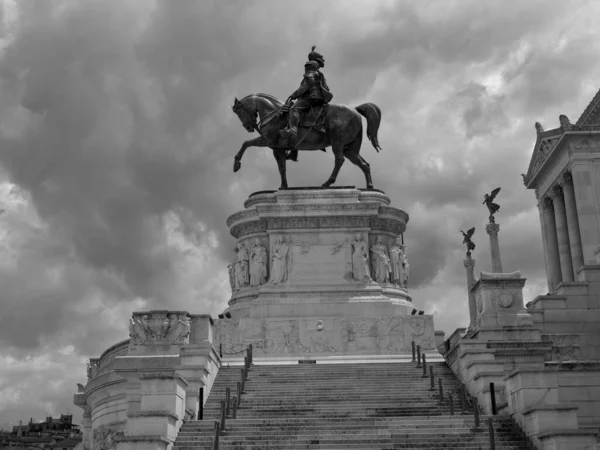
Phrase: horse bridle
x=257 y=125
x=240 y=105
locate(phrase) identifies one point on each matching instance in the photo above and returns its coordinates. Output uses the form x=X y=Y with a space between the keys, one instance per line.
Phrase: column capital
x=567 y=178
x=557 y=189
x=492 y=228
x=469 y=262
x=546 y=202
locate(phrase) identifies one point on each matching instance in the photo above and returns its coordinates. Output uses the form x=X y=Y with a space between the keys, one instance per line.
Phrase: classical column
x=86 y=427
x=551 y=244
x=469 y=265
x=572 y=222
x=540 y=206
x=492 y=229
x=562 y=235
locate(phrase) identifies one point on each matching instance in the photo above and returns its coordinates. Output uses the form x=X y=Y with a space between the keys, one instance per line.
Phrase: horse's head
x=247 y=115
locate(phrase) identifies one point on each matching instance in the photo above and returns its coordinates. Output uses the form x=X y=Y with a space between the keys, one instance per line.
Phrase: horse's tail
x=372 y=113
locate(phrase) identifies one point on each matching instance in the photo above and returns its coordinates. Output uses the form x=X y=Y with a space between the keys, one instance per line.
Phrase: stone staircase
x=342 y=406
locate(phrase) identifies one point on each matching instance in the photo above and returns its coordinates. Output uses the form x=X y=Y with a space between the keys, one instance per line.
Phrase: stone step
x=464 y=442
x=341 y=406
x=351 y=446
x=345 y=406
x=284 y=433
x=414 y=422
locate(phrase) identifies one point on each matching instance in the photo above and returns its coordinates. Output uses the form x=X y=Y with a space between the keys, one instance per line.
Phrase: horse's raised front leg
x=338 y=151
x=280 y=157
x=256 y=142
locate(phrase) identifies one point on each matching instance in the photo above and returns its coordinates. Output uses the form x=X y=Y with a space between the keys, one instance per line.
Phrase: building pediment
x=545 y=143
x=591 y=115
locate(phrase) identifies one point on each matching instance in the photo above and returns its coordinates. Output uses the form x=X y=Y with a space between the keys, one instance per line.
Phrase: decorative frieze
x=327 y=335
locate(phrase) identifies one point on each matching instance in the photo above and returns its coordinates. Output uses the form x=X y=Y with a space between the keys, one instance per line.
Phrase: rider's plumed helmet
x=317 y=57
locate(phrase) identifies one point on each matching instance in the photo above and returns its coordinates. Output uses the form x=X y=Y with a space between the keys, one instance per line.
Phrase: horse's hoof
x=325 y=185
x=236 y=166
x=369 y=186
x=283 y=188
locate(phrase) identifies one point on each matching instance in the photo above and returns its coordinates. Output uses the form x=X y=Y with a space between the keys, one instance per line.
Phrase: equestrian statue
x=307 y=121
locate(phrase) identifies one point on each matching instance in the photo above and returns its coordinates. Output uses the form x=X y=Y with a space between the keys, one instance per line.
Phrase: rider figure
x=312 y=91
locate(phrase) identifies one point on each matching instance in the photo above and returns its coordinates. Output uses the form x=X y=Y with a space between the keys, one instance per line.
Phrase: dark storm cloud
x=116 y=124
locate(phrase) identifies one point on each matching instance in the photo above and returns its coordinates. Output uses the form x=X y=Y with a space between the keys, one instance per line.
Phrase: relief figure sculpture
x=138 y=330
x=231 y=271
x=241 y=266
x=360 y=260
x=258 y=264
x=280 y=257
x=179 y=329
x=399 y=264
x=381 y=262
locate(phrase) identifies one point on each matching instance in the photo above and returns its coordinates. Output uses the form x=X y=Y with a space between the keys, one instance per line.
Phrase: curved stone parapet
x=162 y=345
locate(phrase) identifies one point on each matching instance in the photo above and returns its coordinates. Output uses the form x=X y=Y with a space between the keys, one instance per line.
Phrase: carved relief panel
x=327 y=335
x=159 y=328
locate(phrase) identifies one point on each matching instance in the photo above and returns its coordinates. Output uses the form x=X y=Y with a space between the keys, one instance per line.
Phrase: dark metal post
x=216 y=446
x=200 y=403
x=220 y=350
x=431 y=377
x=239 y=392
x=450 y=400
x=234 y=409
x=493 y=398
x=243 y=373
x=251 y=355
x=424 y=365
x=227 y=400
x=418 y=356
x=492 y=437
x=246 y=360
x=222 y=415
x=413 y=351
x=441 y=390
x=476 y=413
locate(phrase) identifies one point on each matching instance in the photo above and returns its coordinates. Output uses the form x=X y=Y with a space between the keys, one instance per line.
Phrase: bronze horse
x=341 y=129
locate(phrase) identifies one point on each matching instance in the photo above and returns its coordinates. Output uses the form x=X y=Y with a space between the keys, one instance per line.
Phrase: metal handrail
x=462 y=394
x=226 y=406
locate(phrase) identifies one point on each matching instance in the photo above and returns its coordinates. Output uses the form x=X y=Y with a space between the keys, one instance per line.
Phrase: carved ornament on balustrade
x=159 y=327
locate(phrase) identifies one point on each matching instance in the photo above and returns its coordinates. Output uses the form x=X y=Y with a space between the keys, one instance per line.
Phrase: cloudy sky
x=117 y=141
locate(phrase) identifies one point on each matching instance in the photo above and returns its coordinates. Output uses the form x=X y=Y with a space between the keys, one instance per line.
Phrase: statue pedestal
x=501 y=313
x=315 y=298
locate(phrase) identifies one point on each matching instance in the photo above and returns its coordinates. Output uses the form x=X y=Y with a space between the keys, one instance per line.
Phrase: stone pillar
x=572 y=222
x=540 y=206
x=469 y=265
x=562 y=235
x=551 y=245
x=86 y=428
x=493 y=229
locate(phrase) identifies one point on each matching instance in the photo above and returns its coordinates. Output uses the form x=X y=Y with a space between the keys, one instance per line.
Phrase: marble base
x=311 y=241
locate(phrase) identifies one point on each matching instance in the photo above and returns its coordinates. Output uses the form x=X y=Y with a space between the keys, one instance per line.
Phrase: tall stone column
x=551 y=244
x=562 y=235
x=493 y=229
x=469 y=265
x=86 y=426
x=540 y=206
x=572 y=222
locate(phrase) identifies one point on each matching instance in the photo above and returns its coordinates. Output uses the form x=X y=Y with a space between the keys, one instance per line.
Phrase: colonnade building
x=565 y=174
